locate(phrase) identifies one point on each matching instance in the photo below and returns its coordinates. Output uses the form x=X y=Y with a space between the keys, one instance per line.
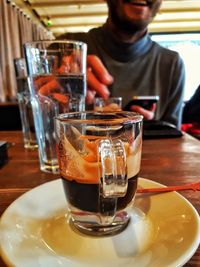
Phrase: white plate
x=34 y=231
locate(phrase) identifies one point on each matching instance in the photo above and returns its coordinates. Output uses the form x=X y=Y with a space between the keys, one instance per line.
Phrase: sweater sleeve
x=173 y=112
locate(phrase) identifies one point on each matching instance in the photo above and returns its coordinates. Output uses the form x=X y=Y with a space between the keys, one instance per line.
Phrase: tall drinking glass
x=57 y=82
x=24 y=101
x=110 y=104
x=99 y=156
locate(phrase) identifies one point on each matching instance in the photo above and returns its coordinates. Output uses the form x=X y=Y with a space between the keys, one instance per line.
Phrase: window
x=188 y=46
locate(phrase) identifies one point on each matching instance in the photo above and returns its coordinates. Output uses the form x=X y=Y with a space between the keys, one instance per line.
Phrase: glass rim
x=63 y=41
x=112 y=97
x=75 y=117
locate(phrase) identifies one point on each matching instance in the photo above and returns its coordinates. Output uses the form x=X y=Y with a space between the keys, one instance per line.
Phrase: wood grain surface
x=167 y=161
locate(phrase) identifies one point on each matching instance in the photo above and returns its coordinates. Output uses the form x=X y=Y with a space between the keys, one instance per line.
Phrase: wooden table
x=168 y=161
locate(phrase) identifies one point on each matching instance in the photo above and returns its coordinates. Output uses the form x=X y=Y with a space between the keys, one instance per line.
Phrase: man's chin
x=129 y=20
x=132 y=28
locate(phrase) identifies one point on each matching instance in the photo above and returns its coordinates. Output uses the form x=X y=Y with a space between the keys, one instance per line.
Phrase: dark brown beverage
x=99 y=158
x=86 y=197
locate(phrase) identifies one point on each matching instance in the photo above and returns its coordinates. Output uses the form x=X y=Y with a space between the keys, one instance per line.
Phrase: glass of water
x=24 y=101
x=57 y=83
x=110 y=104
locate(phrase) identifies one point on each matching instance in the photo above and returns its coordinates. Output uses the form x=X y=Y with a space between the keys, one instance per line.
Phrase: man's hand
x=98 y=79
x=147 y=114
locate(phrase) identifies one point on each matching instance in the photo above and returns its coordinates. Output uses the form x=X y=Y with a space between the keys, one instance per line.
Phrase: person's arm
x=173 y=113
x=98 y=80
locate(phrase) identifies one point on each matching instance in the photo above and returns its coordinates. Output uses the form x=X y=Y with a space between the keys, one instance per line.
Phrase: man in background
x=124 y=61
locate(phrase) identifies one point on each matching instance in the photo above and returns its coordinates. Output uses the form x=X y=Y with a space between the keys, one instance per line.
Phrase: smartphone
x=145 y=102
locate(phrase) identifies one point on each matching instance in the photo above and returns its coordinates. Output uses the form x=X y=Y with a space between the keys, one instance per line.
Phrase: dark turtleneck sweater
x=140 y=68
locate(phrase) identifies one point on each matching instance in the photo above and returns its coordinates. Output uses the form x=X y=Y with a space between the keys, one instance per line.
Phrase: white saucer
x=34 y=231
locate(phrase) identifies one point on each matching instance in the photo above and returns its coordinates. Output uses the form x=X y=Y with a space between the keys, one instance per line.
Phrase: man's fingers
x=96 y=66
x=153 y=107
x=90 y=96
x=50 y=87
x=148 y=115
x=64 y=99
x=96 y=85
x=41 y=80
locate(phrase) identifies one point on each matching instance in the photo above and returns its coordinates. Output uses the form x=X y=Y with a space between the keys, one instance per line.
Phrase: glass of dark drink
x=99 y=159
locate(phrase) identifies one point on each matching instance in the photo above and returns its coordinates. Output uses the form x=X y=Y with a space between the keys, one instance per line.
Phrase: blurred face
x=130 y=16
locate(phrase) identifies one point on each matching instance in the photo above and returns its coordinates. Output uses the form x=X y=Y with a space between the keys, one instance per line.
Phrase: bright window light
x=188 y=46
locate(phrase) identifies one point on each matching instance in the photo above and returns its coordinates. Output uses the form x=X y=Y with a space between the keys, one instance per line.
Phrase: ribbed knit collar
x=121 y=51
